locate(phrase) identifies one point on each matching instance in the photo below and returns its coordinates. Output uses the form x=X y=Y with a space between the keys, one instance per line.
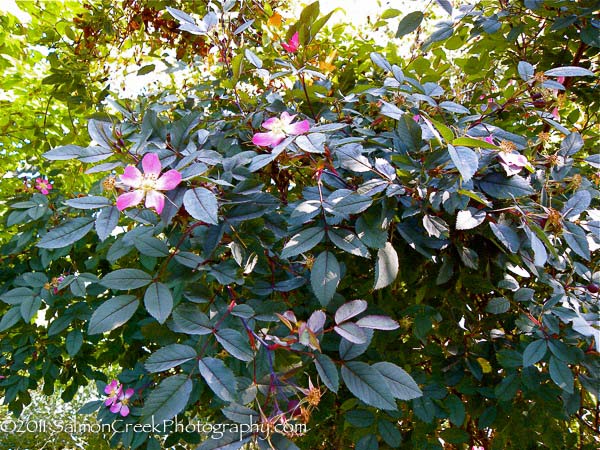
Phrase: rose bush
x=404 y=257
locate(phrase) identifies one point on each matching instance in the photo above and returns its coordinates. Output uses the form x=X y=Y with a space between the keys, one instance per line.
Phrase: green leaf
x=435 y=226
x=219 y=378
x=89 y=202
x=106 y=221
x=351 y=332
x=578 y=203
x=497 y=305
x=151 y=246
x=168 y=400
x=378 y=323
x=526 y=70
x=400 y=384
x=386 y=267
x=29 y=307
x=569 y=71
x=348 y=350
x=73 y=342
x=466 y=141
x=561 y=374
x=146 y=69
x=499 y=186
x=367 y=442
x=64 y=153
x=360 y=418
x=576 y=239
x=351 y=204
x=67 y=234
x=325 y=277
x=534 y=352
x=571 y=144
x=202 y=205
x=113 y=313
x=125 y=279
x=327 y=371
x=17 y=296
x=507 y=236
x=348 y=241
x=158 y=301
x=166 y=358
x=10 y=318
x=349 y=310
x=368 y=385
x=389 y=433
x=303 y=241
x=465 y=160
x=188 y=319
x=235 y=343
x=409 y=23
x=456 y=410
x=454 y=435
x=380 y=61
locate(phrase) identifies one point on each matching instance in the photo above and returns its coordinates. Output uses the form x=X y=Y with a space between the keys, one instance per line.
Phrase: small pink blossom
x=43 y=185
x=489 y=139
x=477 y=447
x=512 y=163
x=113 y=390
x=416 y=118
x=555 y=113
x=148 y=185
x=279 y=128
x=122 y=405
x=292 y=45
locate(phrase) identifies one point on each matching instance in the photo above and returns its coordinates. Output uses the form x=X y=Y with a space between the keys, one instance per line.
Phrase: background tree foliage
x=431 y=239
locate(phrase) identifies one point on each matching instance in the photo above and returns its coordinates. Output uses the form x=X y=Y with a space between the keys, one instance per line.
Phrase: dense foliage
x=396 y=250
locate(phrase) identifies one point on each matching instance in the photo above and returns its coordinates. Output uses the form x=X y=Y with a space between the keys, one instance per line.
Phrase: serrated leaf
x=325 y=277
x=349 y=350
x=67 y=234
x=348 y=241
x=125 y=279
x=235 y=343
x=106 y=221
x=380 y=61
x=507 y=236
x=327 y=371
x=64 y=153
x=378 y=323
x=578 y=203
x=10 y=318
x=302 y=242
x=219 y=378
x=17 y=296
x=470 y=218
x=351 y=332
x=499 y=186
x=497 y=305
x=168 y=400
x=73 y=342
x=526 y=70
x=368 y=385
x=29 y=307
x=189 y=320
x=534 y=352
x=349 y=310
x=401 y=385
x=113 y=313
x=561 y=374
x=456 y=410
x=151 y=246
x=435 y=226
x=409 y=23
x=166 y=358
x=465 y=160
x=158 y=301
x=202 y=205
x=576 y=239
x=89 y=202
x=569 y=71
x=386 y=267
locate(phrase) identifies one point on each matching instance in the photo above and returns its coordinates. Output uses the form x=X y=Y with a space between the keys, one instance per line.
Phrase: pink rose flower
x=489 y=139
x=292 y=45
x=113 y=390
x=148 y=184
x=122 y=405
x=43 y=185
x=512 y=163
x=279 y=128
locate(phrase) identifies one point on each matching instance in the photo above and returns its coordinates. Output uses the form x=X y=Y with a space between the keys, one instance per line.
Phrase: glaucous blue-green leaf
x=125 y=279
x=578 y=203
x=569 y=71
x=10 y=318
x=453 y=107
x=351 y=332
x=219 y=378
x=349 y=310
x=151 y=246
x=188 y=319
x=409 y=23
x=229 y=440
x=325 y=277
x=571 y=144
x=386 y=267
x=254 y=60
x=106 y=221
x=497 y=305
x=166 y=358
x=435 y=226
x=446 y=5
x=303 y=241
x=378 y=323
x=327 y=371
x=100 y=132
x=360 y=418
x=64 y=153
x=594 y=160
x=389 y=433
x=17 y=296
x=400 y=384
x=576 y=240
x=158 y=301
x=167 y=400
x=67 y=234
x=507 y=236
x=73 y=342
x=367 y=442
x=456 y=410
x=113 y=313
x=94 y=154
x=534 y=352
x=499 y=186
x=526 y=70
x=235 y=343
x=189 y=259
x=561 y=374
x=368 y=385
x=89 y=202
x=348 y=241
x=29 y=307
x=240 y=414
x=348 y=350
x=465 y=160
x=312 y=143
x=380 y=61
x=351 y=158
x=540 y=255
x=470 y=218
x=351 y=204
x=202 y=205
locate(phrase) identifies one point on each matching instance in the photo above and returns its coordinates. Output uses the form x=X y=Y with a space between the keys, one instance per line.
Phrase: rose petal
x=151 y=164
x=270 y=123
x=267 y=139
x=286 y=117
x=129 y=199
x=298 y=127
x=124 y=410
x=129 y=392
x=132 y=177
x=115 y=408
x=109 y=401
x=156 y=200
x=169 y=180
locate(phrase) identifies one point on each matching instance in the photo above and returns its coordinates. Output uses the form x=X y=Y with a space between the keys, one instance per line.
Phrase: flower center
x=149 y=182
x=279 y=127
x=125 y=401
